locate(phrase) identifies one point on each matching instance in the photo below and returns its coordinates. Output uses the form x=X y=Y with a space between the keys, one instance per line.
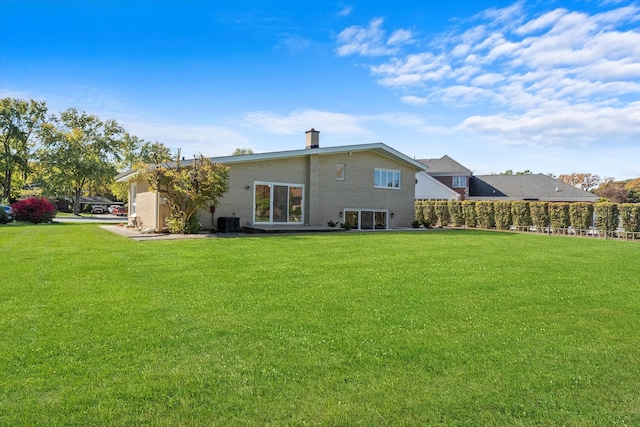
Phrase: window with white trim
x=278 y=203
x=459 y=182
x=133 y=199
x=386 y=178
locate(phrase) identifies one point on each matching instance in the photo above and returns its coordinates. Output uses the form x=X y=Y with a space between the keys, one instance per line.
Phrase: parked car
x=97 y=210
x=119 y=211
x=8 y=213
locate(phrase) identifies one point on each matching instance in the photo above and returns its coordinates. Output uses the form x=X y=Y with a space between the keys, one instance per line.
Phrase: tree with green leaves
x=79 y=151
x=187 y=186
x=242 y=151
x=19 y=123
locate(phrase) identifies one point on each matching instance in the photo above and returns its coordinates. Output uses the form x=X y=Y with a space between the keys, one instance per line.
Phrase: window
x=340 y=171
x=133 y=199
x=364 y=219
x=277 y=203
x=386 y=178
x=459 y=181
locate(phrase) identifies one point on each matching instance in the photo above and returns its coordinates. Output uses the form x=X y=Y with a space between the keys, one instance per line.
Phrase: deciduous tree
x=188 y=187
x=242 y=151
x=79 y=150
x=19 y=122
x=585 y=181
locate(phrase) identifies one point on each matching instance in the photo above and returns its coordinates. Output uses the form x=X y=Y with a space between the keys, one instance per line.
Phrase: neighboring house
x=531 y=187
x=448 y=172
x=95 y=201
x=429 y=188
x=370 y=186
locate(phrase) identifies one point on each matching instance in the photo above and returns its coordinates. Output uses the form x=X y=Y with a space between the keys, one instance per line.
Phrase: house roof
x=99 y=200
x=378 y=147
x=445 y=166
x=525 y=187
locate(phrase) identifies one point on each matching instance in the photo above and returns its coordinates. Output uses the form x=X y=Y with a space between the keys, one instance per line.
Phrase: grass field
x=416 y=328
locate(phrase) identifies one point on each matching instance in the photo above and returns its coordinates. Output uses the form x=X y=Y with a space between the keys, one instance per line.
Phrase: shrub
x=486 y=214
x=502 y=215
x=177 y=225
x=418 y=212
x=429 y=214
x=34 y=209
x=469 y=212
x=4 y=218
x=540 y=214
x=521 y=214
x=442 y=212
x=630 y=214
x=607 y=217
x=559 y=215
x=581 y=215
x=455 y=212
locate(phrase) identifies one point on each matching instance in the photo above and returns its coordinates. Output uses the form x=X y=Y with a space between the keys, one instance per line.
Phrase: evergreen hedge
x=521 y=213
x=485 y=213
x=469 y=212
x=418 y=211
x=559 y=215
x=442 y=212
x=581 y=215
x=630 y=215
x=540 y=214
x=502 y=215
x=607 y=217
x=455 y=211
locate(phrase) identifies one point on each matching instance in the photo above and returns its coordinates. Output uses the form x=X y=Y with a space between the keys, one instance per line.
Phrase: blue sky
x=547 y=86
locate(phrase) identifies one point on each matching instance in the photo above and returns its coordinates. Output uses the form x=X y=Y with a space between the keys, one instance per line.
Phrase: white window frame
x=272 y=184
x=455 y=182
x=378 y=175
x=133 y=199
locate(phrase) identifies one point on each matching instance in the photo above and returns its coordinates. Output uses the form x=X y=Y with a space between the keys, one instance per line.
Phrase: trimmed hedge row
x=503 y=214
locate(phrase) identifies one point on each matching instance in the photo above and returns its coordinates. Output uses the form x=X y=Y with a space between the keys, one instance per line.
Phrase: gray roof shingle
x=445 y=166
x=525 y=187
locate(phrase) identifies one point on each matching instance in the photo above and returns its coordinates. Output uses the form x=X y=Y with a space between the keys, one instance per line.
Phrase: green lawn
x=416 y=328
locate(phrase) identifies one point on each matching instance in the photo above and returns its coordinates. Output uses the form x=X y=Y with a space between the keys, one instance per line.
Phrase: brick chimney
x=313 y=139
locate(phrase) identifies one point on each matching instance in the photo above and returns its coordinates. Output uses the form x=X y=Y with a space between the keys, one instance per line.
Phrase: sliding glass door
x=364 y=219
x=278 y=203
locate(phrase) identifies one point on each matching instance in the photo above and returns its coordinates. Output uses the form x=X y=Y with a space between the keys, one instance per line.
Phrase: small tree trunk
x=76 y=202
x=6 y=193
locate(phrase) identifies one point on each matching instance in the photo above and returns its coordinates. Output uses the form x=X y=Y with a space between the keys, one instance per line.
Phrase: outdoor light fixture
x=391 y=214
x=340 y=214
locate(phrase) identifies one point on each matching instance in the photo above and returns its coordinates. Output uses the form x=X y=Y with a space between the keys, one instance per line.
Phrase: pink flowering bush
x=34 y=209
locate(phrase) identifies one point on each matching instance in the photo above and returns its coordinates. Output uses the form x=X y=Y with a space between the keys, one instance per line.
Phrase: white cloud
x=580 y=124
x=191 y=139
x=544 y=21
x=414 y=100
x=557 y=77
x=294 y=43
x=488 y=79
x=371 y=40
x=345 y=11
x=303 y=120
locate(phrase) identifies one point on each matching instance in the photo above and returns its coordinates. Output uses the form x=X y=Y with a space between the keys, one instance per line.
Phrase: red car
x=119 y=211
